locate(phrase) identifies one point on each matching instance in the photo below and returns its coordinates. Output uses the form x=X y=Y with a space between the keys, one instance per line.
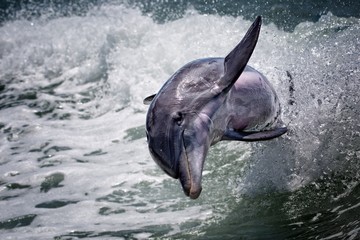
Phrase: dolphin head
x=179 y=144
x=178 y=140
x=179 y=124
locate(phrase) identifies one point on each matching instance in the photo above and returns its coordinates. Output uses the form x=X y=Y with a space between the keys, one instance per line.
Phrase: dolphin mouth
x=190 y=173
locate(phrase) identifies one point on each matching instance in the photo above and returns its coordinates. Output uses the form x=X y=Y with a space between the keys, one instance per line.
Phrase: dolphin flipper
x=149 y=99
x=231 y=134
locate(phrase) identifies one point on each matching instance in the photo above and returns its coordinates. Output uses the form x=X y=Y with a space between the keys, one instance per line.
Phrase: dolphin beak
x=191 y=166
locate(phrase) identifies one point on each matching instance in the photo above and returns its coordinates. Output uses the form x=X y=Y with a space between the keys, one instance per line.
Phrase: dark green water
x=285 y=13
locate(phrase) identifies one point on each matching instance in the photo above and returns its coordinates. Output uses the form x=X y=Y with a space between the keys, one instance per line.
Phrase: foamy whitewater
x=74 y=161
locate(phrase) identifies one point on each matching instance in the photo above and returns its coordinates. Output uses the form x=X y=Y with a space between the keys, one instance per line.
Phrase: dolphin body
x=206 y=101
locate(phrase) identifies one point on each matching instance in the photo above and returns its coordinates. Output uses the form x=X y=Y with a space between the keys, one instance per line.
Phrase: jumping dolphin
x=206 y=101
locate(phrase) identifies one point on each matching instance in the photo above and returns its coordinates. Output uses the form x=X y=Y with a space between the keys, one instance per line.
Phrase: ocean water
x=74 y=161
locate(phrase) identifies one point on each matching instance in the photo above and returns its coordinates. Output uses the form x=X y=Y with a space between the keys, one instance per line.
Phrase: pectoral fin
x=149 y=99
x=231 y=134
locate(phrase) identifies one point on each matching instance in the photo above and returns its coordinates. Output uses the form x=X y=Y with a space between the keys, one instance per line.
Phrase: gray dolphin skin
x=206 y=101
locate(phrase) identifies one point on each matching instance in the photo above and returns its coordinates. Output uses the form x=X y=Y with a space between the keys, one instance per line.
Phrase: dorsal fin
x=237 y=59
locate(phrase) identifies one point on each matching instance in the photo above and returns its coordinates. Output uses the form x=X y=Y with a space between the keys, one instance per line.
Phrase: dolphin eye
x=178 y=118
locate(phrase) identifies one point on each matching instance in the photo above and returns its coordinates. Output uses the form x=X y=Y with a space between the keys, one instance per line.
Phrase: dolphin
x=206 y=101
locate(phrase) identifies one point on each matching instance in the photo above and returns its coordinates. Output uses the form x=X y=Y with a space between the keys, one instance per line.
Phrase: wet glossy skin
x=206 y=101
x=251 y=104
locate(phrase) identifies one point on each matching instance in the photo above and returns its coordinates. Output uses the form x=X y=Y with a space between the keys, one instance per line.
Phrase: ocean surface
x=74 y=162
